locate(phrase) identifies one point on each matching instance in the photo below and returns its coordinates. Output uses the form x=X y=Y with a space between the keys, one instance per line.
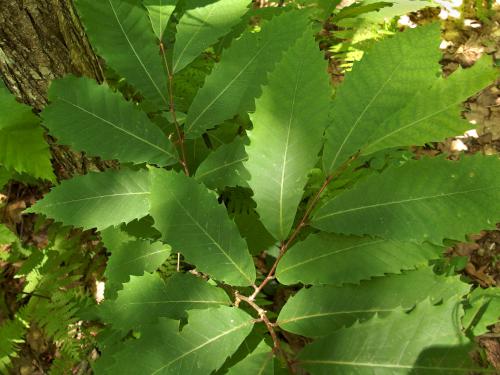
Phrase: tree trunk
x=41 y=40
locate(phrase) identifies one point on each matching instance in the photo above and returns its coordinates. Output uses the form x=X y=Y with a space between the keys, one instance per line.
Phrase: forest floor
x=464 y=40
x=465 y=44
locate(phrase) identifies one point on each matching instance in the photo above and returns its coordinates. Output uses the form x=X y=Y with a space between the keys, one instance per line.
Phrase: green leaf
x=5 y=176
x=22 y=145
x=433 y=114
x=227 y=90
x=320 y=310
x=484 y=310
x=388 y=76
x=12 y=334
x=401 y=202
x=200 y=348
x=129 y=256
x=90 y=117
x=288 y=134
x=224 y=166
x=332 y=259
x=97 y=200
x=426 y=341
x=254 y=233
x=260 y=362
x=201 y=27
x=356 y=9
x=6 y=236
x=159 y=13
x=399 y=7
x=195 y=224
x=121 y=33
x=146 y=298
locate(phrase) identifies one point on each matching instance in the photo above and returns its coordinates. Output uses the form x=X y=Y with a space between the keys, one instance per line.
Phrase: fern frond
x=11 y=335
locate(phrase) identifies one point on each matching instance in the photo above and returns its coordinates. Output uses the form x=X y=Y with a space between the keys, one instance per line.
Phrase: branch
x=302 y=223
x=277 y=349
x=180 y=134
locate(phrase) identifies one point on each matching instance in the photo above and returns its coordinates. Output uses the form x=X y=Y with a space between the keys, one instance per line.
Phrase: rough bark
x=41 y=40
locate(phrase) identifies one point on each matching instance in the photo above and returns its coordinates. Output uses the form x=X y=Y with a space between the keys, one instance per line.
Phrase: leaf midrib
x=193 y=36
x=363 y=113
x=227 y=86
x=413 y=123
x=117 y=127
x=173 y=301
x=285 y=153
x=390 y=365
x=164 y=250
x=334 y=252
x=223 y=166
x=135 y=52
x=442 y=195
x=212 y=239
x=333 y=313
x=215 y=338
x=95 y=197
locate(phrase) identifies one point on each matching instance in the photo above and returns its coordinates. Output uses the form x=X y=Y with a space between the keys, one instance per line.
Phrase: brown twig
x=277 y=349
x=180 y=134
x=302 y=223
x=285 y=245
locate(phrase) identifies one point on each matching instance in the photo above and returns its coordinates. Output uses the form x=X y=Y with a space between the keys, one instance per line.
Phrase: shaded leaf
x=252 y=230
x=22 y=145
x=97 y=200
x=129 y=256
x=92 y=118
x=332 y=259
x=5 y=176
x=146 y=298
x=320 y=310
x=426 y=341
x=200 y=348
x=195 y=224
x=400 y=202
x=260 y=362
x=202 y=26
x=224 y=166
x=121 y=33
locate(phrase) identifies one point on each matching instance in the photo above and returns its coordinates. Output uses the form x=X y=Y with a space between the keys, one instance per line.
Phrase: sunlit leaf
x=320 y=310
x=226 y=91
x=195 y=224
x=287 y=134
